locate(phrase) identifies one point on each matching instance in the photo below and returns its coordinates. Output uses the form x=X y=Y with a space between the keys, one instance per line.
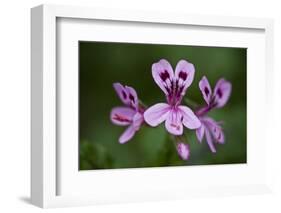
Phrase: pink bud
x=183 y=150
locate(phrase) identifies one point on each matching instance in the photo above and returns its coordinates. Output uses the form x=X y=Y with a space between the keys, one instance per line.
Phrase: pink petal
x=173 y=122
x=205 y=89
x=127 y=135
x=183 y=150
x=215 y=129
x=163 y=75
x=122 y=93
x=156 y=114
x=133 y=97
x=200 y=132
x=122 y=116
x=137 y=121
x=222 y=92
x=184 y=76
x=220 y=136
x=190 y=120
x=210 y=141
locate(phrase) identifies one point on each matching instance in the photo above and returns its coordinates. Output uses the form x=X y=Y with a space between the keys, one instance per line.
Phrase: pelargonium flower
x=217 y=99
x=130 y=115
x=212 y=131
x=174 y=85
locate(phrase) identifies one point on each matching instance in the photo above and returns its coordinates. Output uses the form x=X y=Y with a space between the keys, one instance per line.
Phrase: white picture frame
x=45 y=167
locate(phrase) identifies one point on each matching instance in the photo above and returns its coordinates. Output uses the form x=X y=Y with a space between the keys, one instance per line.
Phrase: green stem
x=190 y=102
x=180 y=138
x=142 y=104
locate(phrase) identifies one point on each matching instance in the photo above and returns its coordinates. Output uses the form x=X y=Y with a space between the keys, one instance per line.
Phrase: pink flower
x=183 y=150
x=212 y=131
x=174 y=85
x=130 y=115
x=217 y=99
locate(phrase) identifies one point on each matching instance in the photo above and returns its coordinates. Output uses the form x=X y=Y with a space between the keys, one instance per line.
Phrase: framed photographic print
x=149 y=106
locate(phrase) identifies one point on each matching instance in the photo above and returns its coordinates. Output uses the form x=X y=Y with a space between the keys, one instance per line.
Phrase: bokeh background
x=103 y=63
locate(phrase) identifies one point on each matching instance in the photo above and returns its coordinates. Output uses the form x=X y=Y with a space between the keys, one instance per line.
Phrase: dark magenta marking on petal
x=177 y=127
x=172 y=84
x=178 y=93
x=120 y=118
x=177 y=84
x=164 y=75
x=124 y=95
x=219 y=93
x=132 y=97
x=183 y=75
x=219 y=136
x=168 y=89
x=181 y=89
x=206 y=90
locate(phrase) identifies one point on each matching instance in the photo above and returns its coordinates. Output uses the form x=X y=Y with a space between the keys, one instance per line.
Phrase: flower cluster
x=176 y=116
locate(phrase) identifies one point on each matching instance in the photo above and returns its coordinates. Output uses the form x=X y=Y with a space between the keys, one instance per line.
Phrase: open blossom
x=212 y=131
x=174 y=85
x=130 y=114
x=217 y=99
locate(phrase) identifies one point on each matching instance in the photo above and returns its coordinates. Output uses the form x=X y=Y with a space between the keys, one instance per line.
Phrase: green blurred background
x=103 y=63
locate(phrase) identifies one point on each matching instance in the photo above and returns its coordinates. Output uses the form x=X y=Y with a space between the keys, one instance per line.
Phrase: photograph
x=159 y=105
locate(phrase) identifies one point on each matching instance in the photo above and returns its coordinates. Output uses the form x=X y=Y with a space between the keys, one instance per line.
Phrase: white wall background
x=15 y=104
